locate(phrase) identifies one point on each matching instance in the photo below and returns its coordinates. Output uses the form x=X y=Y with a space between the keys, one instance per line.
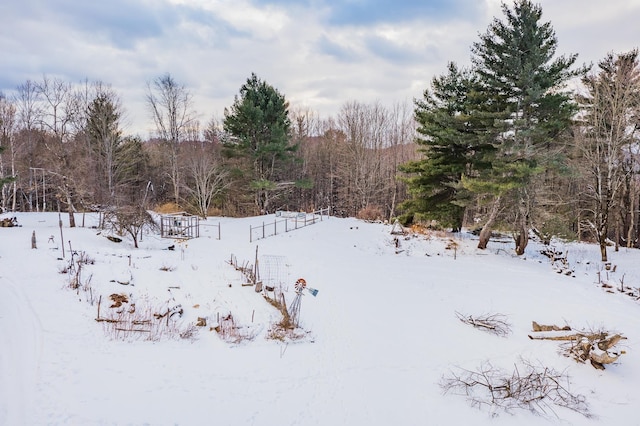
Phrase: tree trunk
x=522 y=239
x=603 y=249
x=72 y=218
x=14 y=189
x=485 y=234
x=632 y=217
x=617 y=233
x=602 y=232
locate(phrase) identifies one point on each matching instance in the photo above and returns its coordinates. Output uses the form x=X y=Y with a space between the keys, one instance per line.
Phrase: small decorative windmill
x=294 y=310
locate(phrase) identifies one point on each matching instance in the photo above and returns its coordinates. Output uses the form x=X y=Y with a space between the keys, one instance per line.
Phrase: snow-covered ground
x=379 y=337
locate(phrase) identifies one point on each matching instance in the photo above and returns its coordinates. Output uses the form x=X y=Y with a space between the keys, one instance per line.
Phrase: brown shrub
x=370 y=213
x=167 y=208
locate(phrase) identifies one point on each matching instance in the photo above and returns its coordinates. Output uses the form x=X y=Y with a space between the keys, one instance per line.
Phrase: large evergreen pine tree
x=517 y=64
x=453 y=140
x=259 y=123
x=132 y=172
x=104 y=134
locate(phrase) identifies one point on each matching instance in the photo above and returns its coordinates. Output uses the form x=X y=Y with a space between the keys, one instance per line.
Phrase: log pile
x=598 y=348
x=8 y=222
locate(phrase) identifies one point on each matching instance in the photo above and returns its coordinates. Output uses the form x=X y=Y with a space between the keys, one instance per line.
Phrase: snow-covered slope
x=378 y=338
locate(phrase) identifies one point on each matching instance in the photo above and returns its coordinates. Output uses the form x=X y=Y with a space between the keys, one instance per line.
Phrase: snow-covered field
x=379 y=337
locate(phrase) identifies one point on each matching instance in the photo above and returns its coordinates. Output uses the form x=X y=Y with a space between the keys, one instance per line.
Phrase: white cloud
x=212 y=46
x=261 y=22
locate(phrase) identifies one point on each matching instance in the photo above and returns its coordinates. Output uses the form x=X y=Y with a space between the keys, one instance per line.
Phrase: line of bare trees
x=67 y=149
x=353 y=159
x=608 y=157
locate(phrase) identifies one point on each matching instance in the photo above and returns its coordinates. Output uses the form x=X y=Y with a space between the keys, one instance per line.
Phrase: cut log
x=551 y=335
x=563 y=335
x=603 y=357
x=580 y=350
x=539 y=327
x=607 y=344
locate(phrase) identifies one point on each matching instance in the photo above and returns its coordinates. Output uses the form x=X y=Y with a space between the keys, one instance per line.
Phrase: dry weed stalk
x=129 y=320
x=167 y=268
x=230 y=332
x=284 y=330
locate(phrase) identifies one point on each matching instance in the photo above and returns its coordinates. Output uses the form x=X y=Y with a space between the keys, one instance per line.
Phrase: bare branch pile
x=535 y=388
x=493 y=323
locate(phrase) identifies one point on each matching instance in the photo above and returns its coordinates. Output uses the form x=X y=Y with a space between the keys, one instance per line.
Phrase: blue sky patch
x=367 y=12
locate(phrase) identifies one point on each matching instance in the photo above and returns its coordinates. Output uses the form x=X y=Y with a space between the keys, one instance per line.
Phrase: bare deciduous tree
x=8 y=139
x=171 y=108
x=364 y=127
x=57 y=119
x=206 y=177
x=610 y=124
x=130 y=220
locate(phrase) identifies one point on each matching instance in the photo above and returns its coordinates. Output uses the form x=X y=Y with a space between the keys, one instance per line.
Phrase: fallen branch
x=555 y=336
x=493 y=323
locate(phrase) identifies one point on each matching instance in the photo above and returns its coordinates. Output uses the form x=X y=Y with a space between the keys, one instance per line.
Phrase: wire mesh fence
x=274 y=273
x=285 y=222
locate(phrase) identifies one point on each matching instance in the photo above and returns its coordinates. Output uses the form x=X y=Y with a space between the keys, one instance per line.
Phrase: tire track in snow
x=20 y=350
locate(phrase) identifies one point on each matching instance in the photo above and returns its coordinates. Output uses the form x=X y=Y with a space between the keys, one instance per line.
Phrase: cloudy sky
x=318 y=53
